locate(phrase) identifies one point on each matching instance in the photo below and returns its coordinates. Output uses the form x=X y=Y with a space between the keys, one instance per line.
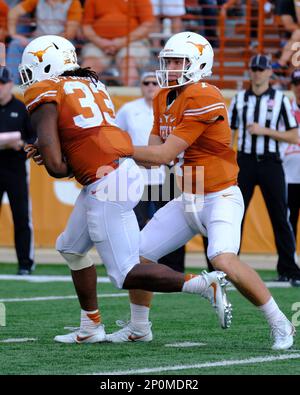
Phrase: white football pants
x=103 y=216
x=216 y=215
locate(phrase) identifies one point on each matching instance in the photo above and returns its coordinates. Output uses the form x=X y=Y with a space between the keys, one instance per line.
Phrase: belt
x=260 y=157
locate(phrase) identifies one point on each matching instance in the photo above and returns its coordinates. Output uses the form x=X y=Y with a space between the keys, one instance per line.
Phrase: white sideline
x=201 y=365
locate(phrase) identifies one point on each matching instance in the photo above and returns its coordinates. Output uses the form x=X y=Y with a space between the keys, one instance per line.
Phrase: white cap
x=148 y=74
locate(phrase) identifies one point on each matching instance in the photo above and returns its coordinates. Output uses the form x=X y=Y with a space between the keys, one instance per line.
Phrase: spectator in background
x=3 y=20
x=111 y=26
x=210 y=16
x=13 y=169
x=25 y=23
x=170 y=9
x=291 y=160
x=226 y=6
x=136 y=117
x=289 y=11
x=58 y=17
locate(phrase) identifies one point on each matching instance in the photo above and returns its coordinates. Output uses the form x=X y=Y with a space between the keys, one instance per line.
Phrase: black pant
x=267 y=172
x=294 y=205
x=205 y=246
x=144 y=211
x=13 y=180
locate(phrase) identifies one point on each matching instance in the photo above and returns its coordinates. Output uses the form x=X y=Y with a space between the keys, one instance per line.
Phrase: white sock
x=194 y=285
x=139 y=315
x=272 y=312
x=90 y=320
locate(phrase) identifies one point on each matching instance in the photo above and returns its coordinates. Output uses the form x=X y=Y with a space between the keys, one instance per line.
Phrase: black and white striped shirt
x=270 y=110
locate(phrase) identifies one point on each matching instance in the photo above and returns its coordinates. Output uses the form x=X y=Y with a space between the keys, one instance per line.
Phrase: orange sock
x=189 y=276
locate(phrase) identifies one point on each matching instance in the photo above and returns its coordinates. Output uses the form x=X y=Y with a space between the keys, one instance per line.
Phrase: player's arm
x=162 y=153
x=178 y=141
x=155 y=140
x=44 y=123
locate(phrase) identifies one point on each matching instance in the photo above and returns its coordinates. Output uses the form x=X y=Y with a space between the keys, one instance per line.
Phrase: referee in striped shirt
x=264 y=120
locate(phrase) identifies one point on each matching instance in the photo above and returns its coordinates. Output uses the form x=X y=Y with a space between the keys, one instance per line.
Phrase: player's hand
x=33 y=153
x=30 y=150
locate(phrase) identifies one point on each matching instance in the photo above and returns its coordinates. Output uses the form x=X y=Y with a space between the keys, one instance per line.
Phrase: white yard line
x=45 y=279
x=185 y=344
x=229 y=362
x=269 y=284
x=46 y=298
x=19 y=340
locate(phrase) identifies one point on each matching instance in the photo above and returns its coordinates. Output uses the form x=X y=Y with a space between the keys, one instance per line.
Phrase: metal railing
x=249 y=28
x=251 y=22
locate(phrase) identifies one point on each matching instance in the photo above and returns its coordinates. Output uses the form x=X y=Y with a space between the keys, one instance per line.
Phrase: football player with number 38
x=73 y=117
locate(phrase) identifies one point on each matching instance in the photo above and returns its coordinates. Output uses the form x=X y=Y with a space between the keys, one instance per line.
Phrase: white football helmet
x=198 y=58
x=46 y=57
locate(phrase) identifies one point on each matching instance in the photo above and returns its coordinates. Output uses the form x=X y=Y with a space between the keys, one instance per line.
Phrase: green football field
x=187 y=338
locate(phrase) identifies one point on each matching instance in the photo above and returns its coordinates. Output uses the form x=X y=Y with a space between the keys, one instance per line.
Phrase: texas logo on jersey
x=167 y=125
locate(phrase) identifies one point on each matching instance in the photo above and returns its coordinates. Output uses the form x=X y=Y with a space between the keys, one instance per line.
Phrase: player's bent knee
x=224 y=262
x=74 y=260
x=229 y=264
x=77 y=262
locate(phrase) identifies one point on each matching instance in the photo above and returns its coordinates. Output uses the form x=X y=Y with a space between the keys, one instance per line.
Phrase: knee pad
x=76 y=261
